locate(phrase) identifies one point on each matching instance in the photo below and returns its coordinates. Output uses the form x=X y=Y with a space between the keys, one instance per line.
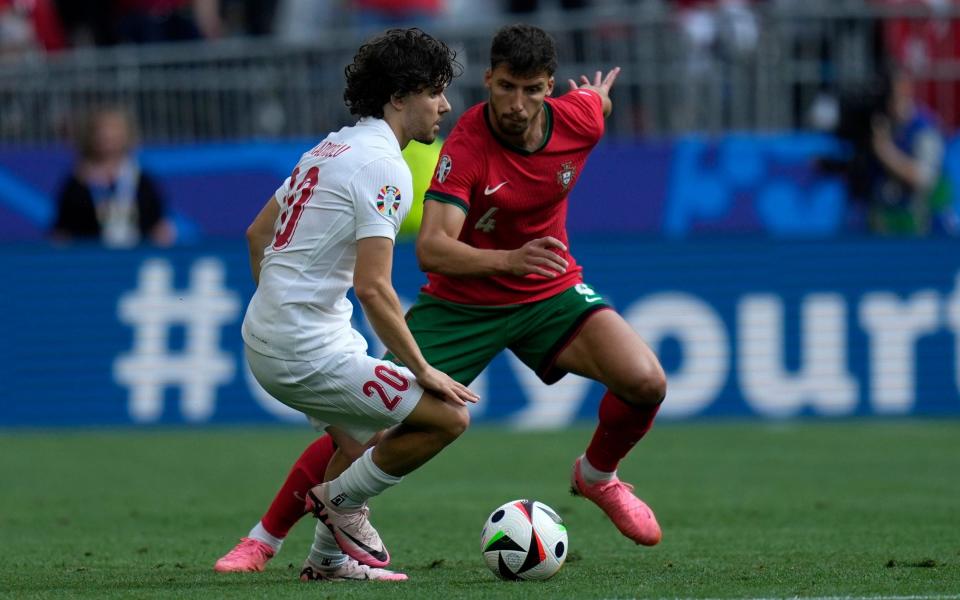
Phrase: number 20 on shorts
x=392 y=379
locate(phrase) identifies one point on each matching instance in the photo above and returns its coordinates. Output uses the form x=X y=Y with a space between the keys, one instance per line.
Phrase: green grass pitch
x=749 y=510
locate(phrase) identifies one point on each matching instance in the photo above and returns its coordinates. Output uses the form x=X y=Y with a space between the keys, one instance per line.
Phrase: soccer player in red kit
x=500 y=274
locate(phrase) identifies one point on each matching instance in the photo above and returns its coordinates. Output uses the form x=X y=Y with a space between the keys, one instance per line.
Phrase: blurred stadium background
x=705 y=214
x=702 y=214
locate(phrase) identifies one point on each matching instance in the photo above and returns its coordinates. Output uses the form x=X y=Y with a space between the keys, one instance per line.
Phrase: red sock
x=621 y=426
x=287 y=506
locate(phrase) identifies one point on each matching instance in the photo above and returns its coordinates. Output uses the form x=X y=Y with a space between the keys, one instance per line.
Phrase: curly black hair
x=397 y=62
x=526 y=50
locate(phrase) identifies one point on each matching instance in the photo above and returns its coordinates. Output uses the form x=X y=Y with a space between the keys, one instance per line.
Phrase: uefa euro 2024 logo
x=388 y=200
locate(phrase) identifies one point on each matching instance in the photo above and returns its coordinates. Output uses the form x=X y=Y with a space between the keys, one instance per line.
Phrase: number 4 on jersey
x=487 y=222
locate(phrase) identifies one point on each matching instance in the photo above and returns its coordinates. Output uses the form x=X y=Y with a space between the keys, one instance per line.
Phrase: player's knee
x=459 y=422
x=647 y=386
x=454 y=423
x=658 y=387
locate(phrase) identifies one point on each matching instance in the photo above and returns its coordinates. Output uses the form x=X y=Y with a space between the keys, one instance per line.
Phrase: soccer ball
x=524 y=539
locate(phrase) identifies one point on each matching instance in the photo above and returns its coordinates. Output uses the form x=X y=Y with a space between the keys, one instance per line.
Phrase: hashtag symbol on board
x=153 y=309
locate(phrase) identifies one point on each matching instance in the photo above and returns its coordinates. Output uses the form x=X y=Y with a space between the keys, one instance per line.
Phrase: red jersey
x=512 y=196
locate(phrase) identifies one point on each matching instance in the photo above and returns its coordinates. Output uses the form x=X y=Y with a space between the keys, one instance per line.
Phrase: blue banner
x=745 y=328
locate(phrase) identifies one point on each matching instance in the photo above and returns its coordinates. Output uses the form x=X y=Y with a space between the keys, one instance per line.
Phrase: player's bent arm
x=373 y=285
x=439 y=250
x=259 y=234
x=374 y=289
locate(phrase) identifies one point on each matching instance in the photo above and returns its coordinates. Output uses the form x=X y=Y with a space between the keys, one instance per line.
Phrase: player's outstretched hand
x=446 y=388
x=601 y=83
x=537 y=256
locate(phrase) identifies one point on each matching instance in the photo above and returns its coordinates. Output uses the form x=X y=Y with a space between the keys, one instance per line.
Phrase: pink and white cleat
x=248 y=555
x=351 y=528
x=631 y=516
x=348 y=571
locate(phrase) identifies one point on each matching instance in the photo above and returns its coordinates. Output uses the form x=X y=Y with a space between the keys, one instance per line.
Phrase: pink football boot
x=631 y=516
x=248 y=555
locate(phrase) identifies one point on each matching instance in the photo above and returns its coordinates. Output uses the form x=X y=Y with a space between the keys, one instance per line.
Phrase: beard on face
x=513 y=126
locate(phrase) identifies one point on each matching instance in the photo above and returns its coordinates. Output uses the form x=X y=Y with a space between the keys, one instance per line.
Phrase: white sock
x=591 y=474
x=362 y=480
x=262 y=535
x=325 y=552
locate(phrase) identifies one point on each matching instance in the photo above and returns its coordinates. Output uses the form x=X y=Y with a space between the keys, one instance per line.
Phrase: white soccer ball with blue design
x=524 y=539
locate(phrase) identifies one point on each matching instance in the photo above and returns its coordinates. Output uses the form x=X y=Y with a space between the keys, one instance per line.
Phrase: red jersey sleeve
x=583 y=110
x=457 y=169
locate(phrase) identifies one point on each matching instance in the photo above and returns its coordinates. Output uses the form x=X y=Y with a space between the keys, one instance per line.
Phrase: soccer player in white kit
x=330 y=226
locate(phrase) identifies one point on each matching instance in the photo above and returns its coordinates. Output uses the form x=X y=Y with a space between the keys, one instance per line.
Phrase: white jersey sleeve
x=382 y=192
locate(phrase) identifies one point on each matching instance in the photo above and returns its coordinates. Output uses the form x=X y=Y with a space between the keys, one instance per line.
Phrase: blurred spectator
x=28 y=25
x=107 y=196
x=151 y=21
x=723 y=28
x=574 y=39
x=531 y=6
x=252 y=17
x=841 y=50
x=717 y=35
x=299 y=20
x=926 y=45
x=908 y=147
x=89 y=23
x=386 y=13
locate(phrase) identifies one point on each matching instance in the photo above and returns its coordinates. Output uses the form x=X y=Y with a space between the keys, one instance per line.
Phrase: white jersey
x=353 y=185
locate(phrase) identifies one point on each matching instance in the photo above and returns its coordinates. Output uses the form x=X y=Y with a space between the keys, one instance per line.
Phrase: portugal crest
x=565 y=175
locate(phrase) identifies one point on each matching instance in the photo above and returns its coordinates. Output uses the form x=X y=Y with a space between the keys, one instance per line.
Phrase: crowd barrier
x=745 y=328
x=686 y=67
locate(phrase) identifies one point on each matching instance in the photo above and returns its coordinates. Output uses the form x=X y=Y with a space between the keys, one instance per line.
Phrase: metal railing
x=761 y=73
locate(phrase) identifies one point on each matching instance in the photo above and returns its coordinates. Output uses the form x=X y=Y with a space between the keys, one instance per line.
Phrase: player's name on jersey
x=328 y=149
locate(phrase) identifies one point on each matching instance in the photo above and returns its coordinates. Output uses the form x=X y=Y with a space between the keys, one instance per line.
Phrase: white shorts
x=353 y=391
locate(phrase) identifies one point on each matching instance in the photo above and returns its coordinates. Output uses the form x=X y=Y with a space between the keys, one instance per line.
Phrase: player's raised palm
x=601 y=84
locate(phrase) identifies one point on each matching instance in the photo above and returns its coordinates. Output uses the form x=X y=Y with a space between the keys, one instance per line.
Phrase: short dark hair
x=396 y=62
x=525 y=49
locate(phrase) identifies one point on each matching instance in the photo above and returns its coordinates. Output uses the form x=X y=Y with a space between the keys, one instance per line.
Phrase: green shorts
x=462 y=339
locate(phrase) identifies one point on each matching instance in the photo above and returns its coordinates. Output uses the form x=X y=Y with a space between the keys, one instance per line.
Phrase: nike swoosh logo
x=594 y=299
x=489 y=190
x=380 y=555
